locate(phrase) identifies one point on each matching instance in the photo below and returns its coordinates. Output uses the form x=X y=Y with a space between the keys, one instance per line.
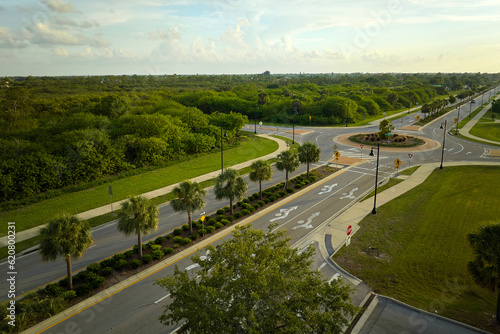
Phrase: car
x=473 y=101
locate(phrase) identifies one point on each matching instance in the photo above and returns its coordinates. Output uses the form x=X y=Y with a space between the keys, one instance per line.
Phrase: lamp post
x=347 y=112
x=470 y=106
x=222 y=149
x=444 y=137
x=458 y=120
x=256 y=112
x=293 y=126
x=374 y=211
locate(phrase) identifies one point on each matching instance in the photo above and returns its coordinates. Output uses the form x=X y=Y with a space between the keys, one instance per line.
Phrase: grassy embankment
x=421 y=238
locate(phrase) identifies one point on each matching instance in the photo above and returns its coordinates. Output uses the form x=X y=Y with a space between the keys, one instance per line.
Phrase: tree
x=230 y=185
x=262 y=171
x=385 y=127
x=288 y=162
x=138 y=215
x=66 y=236
x=189 y=199
x=256 y=283
x=309 y=153
x=485 y=268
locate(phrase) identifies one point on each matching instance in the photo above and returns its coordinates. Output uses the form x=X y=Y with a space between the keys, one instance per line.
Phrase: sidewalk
x=33 y=232
x=464 y=131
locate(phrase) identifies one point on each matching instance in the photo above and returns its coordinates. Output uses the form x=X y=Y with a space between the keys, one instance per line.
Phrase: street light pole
x=374 y=211
x=257 y=109
x=442 y=150
x=470 y=106
x=458 y=120
x=293 y=129
x=222 y=150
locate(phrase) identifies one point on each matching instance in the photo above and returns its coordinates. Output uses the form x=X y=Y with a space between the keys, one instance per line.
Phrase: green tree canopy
x=229 y=185
x=138 y=215
x=256 y=283
x=262 y=171
x=309 y=153
x=485 y=268
x=65 y=236
x=288 y=162
x=189 y=198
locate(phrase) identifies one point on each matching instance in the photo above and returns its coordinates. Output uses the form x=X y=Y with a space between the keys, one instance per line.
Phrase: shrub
x=218 y=225
x=210 y=229
x=106 y=271
x=135 y=263
x=211 y=221
x=176 y=245
x=282 y=193
x=238 y=215
x=245 y=212
x=255 y=196
x=251 y=209
x=155 y=247
x=197 y=223
x=290 y=190
x=261 y=203
x=230 y=218
x=225 y=222
x=266 y=200
x=120 y=264
x=313 y=177
x=247 y=206
x=107 y=263
x=194 y=236
x=297 y=185
x=239 y=203
x=185 y=241
x=95 y=281
x=53 y=290
x=220 y=211
x=177 y=231
x=168 y=236
x=226 y=209
x=246 y=200
x=147 y=258
x=68 y=295
x=159 y=240
x=177 y=239
x=306 y=182
x=256 y=206
x=93 y=267
x=220 y=217
x=83 y=290
x=150 y=244
x=157 y=254
x=129 y=253
x=185 y=227
x=119 y=256
x=272 y=198
x=168 y=250
x=202 y=231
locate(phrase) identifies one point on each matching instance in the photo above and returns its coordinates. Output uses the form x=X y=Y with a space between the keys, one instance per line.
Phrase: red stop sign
x=349 y=230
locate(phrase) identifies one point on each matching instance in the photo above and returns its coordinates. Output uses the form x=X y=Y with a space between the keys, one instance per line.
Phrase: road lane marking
x=322 y=266
x=159 y=300
x=306 y=225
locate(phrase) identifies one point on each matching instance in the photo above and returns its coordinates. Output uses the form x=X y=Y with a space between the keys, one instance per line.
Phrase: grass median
x=41 y=212
x=421 y=252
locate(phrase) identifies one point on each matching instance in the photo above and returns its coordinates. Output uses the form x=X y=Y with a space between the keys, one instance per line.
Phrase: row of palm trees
x=434 y=107
x=68 y=236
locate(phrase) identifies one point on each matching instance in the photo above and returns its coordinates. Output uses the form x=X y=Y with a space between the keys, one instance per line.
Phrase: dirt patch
x=494 y=153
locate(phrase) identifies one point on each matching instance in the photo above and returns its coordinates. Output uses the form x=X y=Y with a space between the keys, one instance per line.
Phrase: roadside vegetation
x=415 y=248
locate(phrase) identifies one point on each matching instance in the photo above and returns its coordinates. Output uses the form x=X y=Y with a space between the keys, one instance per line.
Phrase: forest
x=61 y=131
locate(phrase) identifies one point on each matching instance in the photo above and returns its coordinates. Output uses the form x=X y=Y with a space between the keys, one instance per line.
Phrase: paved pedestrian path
x=33 y=232
x=464 y=131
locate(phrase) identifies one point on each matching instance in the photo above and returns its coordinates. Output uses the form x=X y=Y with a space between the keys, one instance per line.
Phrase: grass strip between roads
x=421 y=251
x=40 y=213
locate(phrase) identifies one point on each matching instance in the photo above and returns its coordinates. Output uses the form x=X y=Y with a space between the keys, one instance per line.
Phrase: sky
x=157 y=37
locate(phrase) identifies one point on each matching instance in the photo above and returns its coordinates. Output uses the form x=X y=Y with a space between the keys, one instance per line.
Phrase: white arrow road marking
x=327 y=189
x=351 y=196
x=468 y=153
x=283 y=213
x=307 y=224
x=159 y=300
x=353 y=149
x=194 y=265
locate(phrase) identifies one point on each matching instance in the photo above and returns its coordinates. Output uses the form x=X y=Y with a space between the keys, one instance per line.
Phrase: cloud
x=9 y=40
x=48 y=34
x=60 y=6
x=234 y=35
x=65 y=21
x=170 y=34
x=61 y=52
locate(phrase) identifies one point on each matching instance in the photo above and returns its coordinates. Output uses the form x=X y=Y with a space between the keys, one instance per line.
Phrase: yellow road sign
x=397 y=162
x=337 y=155
x=417 y=117
x=456 y=119
x=202 y=218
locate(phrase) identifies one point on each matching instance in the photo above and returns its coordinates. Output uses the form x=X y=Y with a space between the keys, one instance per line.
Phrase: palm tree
x=485 y=268
x=138 y=215
x=189 y=199
x=309 y=153
x=289 y=162
x=262 y=171
x=66 y=236
x=231 y=186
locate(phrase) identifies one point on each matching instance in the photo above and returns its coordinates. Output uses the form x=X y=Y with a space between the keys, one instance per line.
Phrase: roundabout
x=428 y=144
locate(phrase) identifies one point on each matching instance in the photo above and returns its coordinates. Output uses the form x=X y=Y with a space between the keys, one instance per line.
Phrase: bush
x=256 y=206
x=245 y=212
x=177 y=239
x=246 y=200
x=120 y=264
x=202 y=231
x=246 y=206
x=194 y=236
x=261 y=203
x=266 y=200
x=185 y=227
x=135 y=263
x=282 y=193
x=290 y=190
x=68 y=295
x=53 y=290
x=176 y=245
x=272 y=198
x=230 y=218
x=220 y=211
x=251 y=209
x=106 y=271
x=159 y=240
x=255 y=196
x=157 y=254
x=211 y=221
x=95 y=281
x=239 y=203
x=168 y=236
x=220 y=217
x=119 y=256
x=130 y=253
x=313 y=177
x=306 y=182
x=155 y=247
x=150 y=244
x=147 y=258
x=224 y=222
x=93 y=267
x=168 y=250
x=185 y=241
x=238 y=215
x=177 y=231
x=226 y=208
x=297 y=186
x=210 y=229
x=218 y=225
x=83 y=290
x=197 y=223
x=107 y=263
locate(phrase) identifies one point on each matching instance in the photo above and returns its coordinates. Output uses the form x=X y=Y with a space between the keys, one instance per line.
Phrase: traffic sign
x=349 y=230
x=417 y=117
x=202 y=218
x=397 y=162
x=456 y=120
x=361 y=146
x=348 y=241
x=410 y=155
x=337 y=155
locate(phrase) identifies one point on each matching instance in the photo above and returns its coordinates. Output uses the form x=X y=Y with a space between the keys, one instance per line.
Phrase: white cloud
x=170 y=34
x=61 y=52
x=60 y=6
x=9 y=40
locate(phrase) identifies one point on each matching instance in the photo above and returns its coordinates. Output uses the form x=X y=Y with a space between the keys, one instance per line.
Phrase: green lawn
x=489 y=131
x=41 y=212
x=421 y=237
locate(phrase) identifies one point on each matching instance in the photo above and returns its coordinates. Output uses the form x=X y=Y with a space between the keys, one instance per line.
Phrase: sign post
x=348 y=239
x=111 y=197
x=397 y=162
x=337 y=155
x=409 y=161
x=361 y=150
